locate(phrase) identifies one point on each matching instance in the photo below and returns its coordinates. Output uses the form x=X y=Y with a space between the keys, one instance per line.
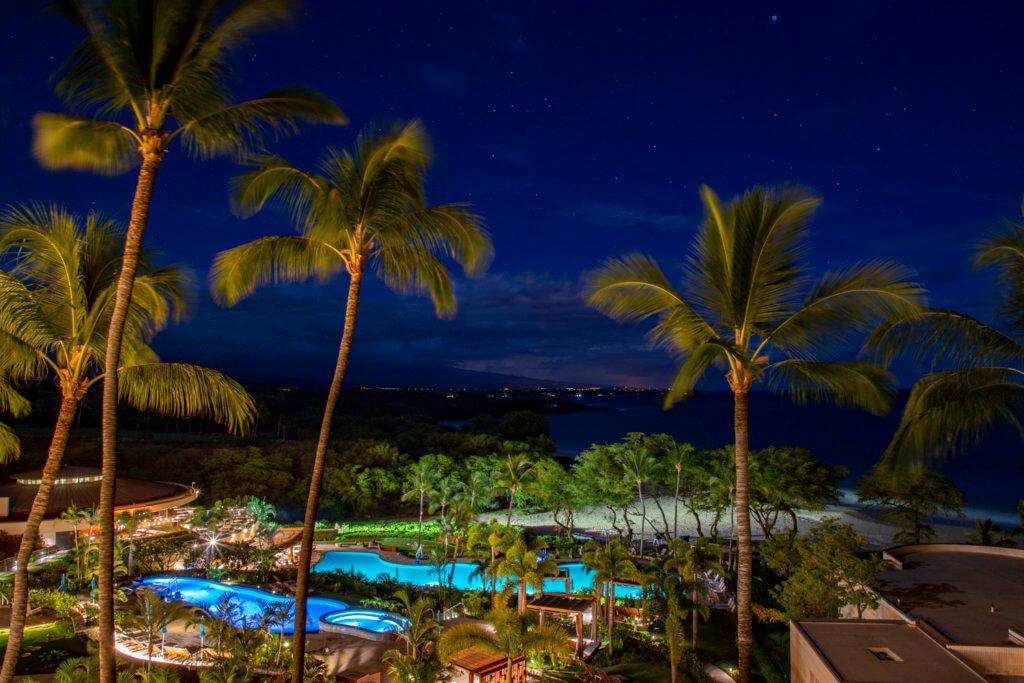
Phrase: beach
x=877 y=532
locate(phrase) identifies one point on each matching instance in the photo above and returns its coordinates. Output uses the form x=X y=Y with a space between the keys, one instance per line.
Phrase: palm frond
x=949 y=410
x=693 y=368
x=238 y=271
x=1005 y=253
x=183 y=391
x=412 y=270
x=22 y=316
x=10 y=446
x=11 y=401
x=946 y=337
x=634 y=288
x=240 y=128
x=450 y=230
x=273 y=177
x=459 y=637
x=62 y=141
x=841 y=383
x=847 y=303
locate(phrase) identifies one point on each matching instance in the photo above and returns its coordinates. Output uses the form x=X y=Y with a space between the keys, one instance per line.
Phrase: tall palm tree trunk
x=643 y=514
x=675 y=508
x=19 y=601
x=511 y=501
x=745 y=632
x=152 y=153
x=313 y=501
x=419 y=530
x=611 y=616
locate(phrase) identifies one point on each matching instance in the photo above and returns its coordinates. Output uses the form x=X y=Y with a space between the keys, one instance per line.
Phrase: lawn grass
x=43 y=649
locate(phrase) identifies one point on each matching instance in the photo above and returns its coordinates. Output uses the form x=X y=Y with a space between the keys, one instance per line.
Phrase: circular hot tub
x=368 y=624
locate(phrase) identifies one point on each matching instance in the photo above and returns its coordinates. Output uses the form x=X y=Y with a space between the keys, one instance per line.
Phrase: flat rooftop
x=956 y=588
x=883 y=652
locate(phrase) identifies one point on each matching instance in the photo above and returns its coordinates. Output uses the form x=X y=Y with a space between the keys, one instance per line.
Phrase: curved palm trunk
x=745 y=627
x=522 y=596
x=611 y=616
x=419 y=531
x=152 y=153
x=675 y=507
x=643 y=514
x=19 y=601
x=511 y=501
x=313 y=501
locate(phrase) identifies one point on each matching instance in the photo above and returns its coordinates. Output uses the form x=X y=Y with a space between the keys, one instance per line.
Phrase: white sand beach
x=876 y=531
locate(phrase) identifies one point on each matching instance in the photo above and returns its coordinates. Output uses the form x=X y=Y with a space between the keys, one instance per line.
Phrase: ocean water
x=991 y=474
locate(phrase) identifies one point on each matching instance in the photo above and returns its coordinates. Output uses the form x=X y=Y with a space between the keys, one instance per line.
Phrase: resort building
x=80 y=486
x=946 y=612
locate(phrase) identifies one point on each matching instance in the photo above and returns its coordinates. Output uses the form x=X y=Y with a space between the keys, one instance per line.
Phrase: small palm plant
x=422 y=479
x=610 y=563
x=364 y=210
x=515 y=634
x=689 y=561
x=416 y=661
x=520 y=564
x=516 y=470
x=638 y=465
x=748 y=305
x=56 y=294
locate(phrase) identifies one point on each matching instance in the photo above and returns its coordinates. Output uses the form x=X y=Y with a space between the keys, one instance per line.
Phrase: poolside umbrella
x=63 y=583
x=163 y=639
x=93 y=585
x=202 y=637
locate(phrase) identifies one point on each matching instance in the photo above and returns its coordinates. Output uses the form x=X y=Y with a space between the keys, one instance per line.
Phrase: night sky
x=581 y=132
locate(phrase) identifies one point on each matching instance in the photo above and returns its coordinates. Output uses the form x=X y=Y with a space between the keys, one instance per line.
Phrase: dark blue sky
x=580 y=131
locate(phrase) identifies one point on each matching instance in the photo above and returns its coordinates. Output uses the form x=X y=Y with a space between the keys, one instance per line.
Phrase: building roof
x=970 y=594
x=560 y=603
x=869 y=651
x=66 y=472
x=478 y=662
x=128 y=493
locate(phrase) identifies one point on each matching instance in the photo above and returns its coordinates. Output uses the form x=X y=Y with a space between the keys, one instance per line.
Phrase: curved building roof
x=80 y=486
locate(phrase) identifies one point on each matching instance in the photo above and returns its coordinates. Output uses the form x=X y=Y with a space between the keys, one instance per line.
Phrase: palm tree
x=494 y=535
x=979 y=384
x=364 y=209
x=691 y=560
x=74 y=515
x=677 y=457
x=515 y=634
x=520 y=564
x=445 y=492
x=422 y=480
x=638 y=465
x=164 y=68
x=747 y=304
x=479 y=486
x=516 y=470
x=55 y=303
x=420 y=636
x=130 y=523
x=610 y=563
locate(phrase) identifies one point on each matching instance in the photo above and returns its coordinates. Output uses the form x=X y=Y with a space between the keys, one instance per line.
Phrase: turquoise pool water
x=371 y=566
x=251 y=602
x=368 y=620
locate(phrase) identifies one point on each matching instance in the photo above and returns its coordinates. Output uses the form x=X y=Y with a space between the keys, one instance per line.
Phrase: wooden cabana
x=489 y=668
x=563 y=604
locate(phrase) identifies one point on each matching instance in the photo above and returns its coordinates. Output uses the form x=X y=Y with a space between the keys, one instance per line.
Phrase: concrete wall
x=806 y=664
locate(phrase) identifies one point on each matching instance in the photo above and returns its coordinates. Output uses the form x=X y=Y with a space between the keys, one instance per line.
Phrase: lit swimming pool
x=251 y=603
x=368 y=620
x=371 y=566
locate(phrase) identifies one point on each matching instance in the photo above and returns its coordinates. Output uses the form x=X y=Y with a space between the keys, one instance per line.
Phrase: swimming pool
x=371 y=566
x=251 y=602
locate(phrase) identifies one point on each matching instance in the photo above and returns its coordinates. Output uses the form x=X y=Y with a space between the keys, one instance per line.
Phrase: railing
x=451 y=612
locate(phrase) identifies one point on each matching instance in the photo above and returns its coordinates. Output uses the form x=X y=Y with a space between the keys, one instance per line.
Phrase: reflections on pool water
x=465 y=576
x=250 y=604
x=368 y=620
